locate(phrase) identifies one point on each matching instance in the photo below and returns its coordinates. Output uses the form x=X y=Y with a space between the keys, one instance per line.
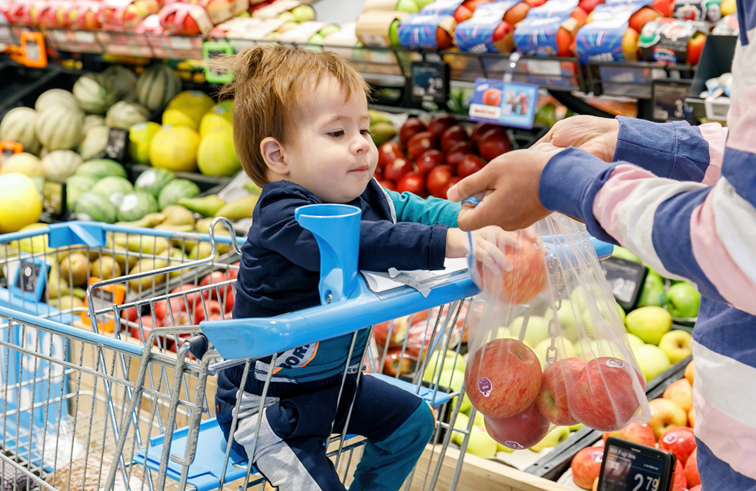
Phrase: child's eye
x=337 y=134
x=365 y=132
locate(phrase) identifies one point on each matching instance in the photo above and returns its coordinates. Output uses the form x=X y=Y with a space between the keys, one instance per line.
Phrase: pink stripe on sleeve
x=716 y=136
x=715 y=261
x=621 y=183
x=741 y=120
x=730 y=440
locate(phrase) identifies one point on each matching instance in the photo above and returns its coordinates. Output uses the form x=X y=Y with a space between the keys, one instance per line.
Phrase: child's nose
x=360 y=144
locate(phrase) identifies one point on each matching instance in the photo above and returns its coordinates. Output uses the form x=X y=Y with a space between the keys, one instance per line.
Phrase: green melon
x=124 y=115
x=124 y=81
x=56 y=97
x=92 y=121
x=18 y=126
x=94 y=142
x=94 y=93
x=59 y=128
x=157 y=86
x=59 y=165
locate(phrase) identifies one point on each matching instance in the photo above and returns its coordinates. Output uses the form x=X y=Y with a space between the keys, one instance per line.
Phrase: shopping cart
x=116 y=391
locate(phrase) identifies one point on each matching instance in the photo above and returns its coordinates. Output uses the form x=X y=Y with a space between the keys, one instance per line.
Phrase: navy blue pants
x=291 y=452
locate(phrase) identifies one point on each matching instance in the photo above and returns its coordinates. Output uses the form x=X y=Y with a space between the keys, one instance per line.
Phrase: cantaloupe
x=59 y=165
x=94 y=93
x=157 y=86
x=55 y=97
x=126 y=114
x=23 y=163
x=59 y=128
x=18 y=126
x=94 y=142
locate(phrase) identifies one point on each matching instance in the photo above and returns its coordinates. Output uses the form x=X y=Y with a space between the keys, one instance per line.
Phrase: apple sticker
x=615 y=363
x=513 y=445
x=485 y=386
x=670 y=438
x=597 y=456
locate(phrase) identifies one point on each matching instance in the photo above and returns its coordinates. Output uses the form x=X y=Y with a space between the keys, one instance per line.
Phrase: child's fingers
x=493 y=256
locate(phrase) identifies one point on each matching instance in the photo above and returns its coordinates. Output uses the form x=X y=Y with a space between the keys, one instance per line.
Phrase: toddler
x=301 y=132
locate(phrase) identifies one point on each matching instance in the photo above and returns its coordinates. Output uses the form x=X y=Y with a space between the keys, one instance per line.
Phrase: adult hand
x=507 y=189
x=595 y=135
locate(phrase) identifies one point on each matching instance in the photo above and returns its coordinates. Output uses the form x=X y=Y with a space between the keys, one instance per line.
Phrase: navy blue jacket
x=280 y=270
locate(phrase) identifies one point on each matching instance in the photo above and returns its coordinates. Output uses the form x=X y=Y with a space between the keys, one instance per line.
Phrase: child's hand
x=488 y=243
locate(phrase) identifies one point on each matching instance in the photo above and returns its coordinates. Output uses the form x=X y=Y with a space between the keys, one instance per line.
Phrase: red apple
x=462 y=14
x=189 y=301
x=378 y=173
x=503 y=378
x=440 y=123
x=524 y=282
x=420 y=143
x=586 y=466
x=443 y=38
x=438 y=177
x=535 y=3
x=564 y=40
x=455 y=155
x=516 y=14
x=579 y=15
x=396 y=329
x=389 y=152
x=452 y=136
x=412 y=182
x=165 y=308
x=442 y=194
x=691 y=470
x=603 y=398
x=397 y=169
x=678 y=481
x=131 y=314
x=679 y=441
x=410 y=128
x=396 y=363
x=643 y=17
x=179 y=318
x=493 y=143
x=519 y=431
x=214 y=312
x=492 y=97
x=430 y=159
x=503 y=36
x=664 y=7
x=552 y=398
x=212 y=279
x=589 y=5
x=147 y=326
x=387 y=185
x=481 y=129
x=635 y=432
x=469 y=165
x=695 y=47
x=233 y=272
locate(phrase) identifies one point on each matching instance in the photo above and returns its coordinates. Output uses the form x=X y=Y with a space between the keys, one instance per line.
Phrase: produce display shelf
x=632 y=79
x=556 y=463
x=22 y=85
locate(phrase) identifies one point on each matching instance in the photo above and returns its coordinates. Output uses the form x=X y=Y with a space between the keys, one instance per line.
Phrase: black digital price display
x=625 y=278
x=430 y=82
x=628 y=466
x=668 y=98
x=117 y=146
x=28 y=272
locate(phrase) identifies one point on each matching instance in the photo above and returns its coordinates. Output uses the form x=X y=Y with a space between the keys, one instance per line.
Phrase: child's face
x=331 y=152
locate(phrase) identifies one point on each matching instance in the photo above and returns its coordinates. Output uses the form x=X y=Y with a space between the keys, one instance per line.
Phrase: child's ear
x=272 y=154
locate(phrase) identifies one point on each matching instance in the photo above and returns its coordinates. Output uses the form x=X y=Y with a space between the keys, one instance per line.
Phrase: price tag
x=504 y=103
x=628 y=466
x=8 y=150
x=430 y=82
x=29 y=279
x=212 y=50
x=625 y=278
x=117 y=146
x=669 y=100
x=33 y=49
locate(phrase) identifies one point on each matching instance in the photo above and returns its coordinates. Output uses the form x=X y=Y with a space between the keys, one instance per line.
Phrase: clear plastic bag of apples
x=548 y=346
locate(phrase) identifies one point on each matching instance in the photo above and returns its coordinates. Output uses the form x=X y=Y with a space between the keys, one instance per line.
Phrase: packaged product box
x=697 y=10
x=441 y=7
x=235 y=28
x=608 y=37
x=490 y=29
x=673 y=41
x=427 y=31
x=185 y=19
x=125 y=15
x=549 y=30
x=379 y=28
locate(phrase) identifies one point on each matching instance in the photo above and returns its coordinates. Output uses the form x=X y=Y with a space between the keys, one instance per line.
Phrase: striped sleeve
x=676 y=151
x=681 y=229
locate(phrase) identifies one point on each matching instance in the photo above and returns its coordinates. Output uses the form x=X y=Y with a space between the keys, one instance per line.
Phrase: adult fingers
x=473 y=184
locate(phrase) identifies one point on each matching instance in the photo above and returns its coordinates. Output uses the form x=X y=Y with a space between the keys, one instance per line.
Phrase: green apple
x=536 y=331
x=409 y=6
x=635 y=341
x=683 y=300
x=502 y=448
x=479 y=420
x=564 y=349
x=649 y=323
x=461 y=422
x=623 y=253
x=328 y=30
x=466 y=405
x=481 y=444
x=316 y=39
x=506 y=333
x=590 y=320
x=622 y=313
x=652 y=361
x=434 y=365
x=287 y=17
x=576 y=427
x=303 y=13
x=423 y=3
x=567 y=316
x=394 y=33
x=552 y=438
x=653 y=290
x=676 y=344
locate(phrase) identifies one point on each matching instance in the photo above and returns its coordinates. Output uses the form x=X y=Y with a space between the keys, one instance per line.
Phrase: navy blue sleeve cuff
x=569 y=183
x=437 y=254
x=672 y=150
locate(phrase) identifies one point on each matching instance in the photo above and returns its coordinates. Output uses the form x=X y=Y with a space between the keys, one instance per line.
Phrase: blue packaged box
x=553 y=8
x=601 y=40
x=537 y=34
x=478 y=34
x=441 y=7
x=421 y=31
x=504 y=103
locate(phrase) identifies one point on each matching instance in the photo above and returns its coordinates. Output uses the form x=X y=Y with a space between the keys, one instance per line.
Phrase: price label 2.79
x=669 y=100
x=430 y=82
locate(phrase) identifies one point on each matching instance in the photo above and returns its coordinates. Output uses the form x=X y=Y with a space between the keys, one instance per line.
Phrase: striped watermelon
x=59 y=128
x=55 y=97
x=157 y=86
x=94 y=93
x=92 y=121
x=18 y=126
x=124 y=81
x=94 y=142
x=125 y=114
x=59 y=165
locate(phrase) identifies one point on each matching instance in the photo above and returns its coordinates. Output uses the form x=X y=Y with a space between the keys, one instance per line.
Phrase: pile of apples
x=429 y=159
x=670 y=428
x=188 y=305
